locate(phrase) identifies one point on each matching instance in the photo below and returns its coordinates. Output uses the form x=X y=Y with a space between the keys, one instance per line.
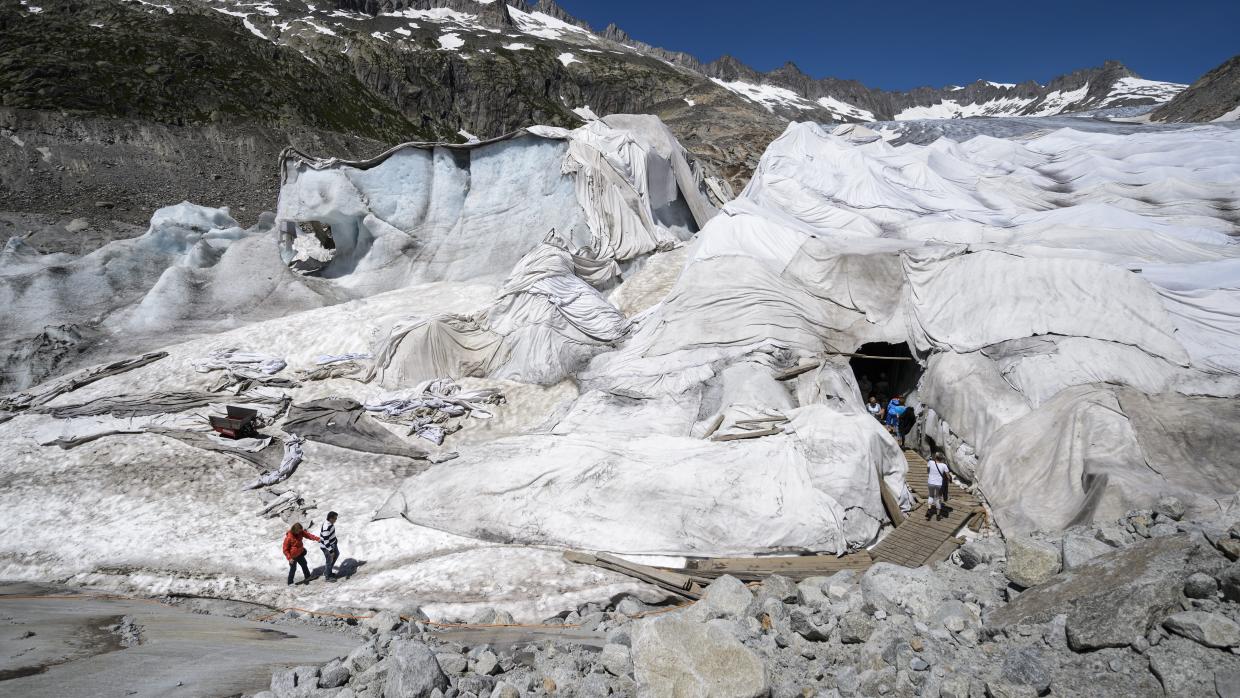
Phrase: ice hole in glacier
x=896 y=373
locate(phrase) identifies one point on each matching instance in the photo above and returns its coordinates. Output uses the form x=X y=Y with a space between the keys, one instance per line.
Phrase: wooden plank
x=676 y=583
x=747 y=435
x=797 y=370
x=943 y=551
x=766 y=564
x=889 y=502
x=760 y=420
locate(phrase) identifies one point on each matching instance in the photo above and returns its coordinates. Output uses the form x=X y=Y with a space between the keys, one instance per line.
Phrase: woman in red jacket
x=295 y=552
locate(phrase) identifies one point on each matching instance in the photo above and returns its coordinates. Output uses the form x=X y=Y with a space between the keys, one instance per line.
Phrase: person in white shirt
x=875 y=409
x=936 y=481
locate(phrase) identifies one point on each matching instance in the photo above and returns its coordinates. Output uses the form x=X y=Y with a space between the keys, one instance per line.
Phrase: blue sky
x=893 y=44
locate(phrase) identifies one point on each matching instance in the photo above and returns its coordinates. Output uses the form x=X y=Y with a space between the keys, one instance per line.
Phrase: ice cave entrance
x=885 y=370
x=307 y=246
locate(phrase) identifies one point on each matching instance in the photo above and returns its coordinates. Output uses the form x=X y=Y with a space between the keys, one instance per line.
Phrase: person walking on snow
x=936 y=482
x=295 y=552
x=327 y=543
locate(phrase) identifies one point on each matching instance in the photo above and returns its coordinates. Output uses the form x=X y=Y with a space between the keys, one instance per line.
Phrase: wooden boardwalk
x=916 y=541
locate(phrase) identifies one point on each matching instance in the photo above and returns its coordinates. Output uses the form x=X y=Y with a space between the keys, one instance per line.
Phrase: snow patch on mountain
x=768 y=96
x=845 y=109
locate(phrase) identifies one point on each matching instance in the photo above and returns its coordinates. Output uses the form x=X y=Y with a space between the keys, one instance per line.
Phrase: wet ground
x=66 y=643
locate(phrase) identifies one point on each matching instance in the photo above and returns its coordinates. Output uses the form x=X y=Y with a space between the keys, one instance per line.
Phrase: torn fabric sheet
x=328 y=359
x=341 y=422
x=46 y=392
x=235 y=359
x=292 y=458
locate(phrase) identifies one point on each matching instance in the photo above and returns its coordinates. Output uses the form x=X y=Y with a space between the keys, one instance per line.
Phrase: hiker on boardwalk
x=295 y=552
x=936 y=481
x=327 y=543
x=875 y=409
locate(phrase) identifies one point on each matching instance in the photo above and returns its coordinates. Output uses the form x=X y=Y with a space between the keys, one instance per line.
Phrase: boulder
x=1186 y=668
x=841 y=585
x=452 y=662
x=894 y=588
x=855 y=627
x=334 y=674
x=802 y=623
x=778 y=587
x=1112 y=600
x=1229 y=582
x=1200 y=585
x=383 y=621
x=1209 y=629
x=486 y=664
x=505 y=690
x=1031 y=562
x=1227 y=683
x=361 y=659
x=726 y=597
x=297 y=682
x=615 y=659
x=412 y=671
x=981 y=551
x=675 y=656
x=810 y=592
x=1170 y=507
x=1079 y=548
x=954 y=616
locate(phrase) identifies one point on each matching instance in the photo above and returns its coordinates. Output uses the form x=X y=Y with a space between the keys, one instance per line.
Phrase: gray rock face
x=677 y=656
x=1079 y=548
x=1212 y=95
x=413 y=671
x=1113 y=600
x=1031 y=562
x=1209 y=629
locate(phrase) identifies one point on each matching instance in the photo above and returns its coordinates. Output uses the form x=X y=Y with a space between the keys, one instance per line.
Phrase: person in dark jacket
x=907 y=419
x=327 y=543
x=295 y=552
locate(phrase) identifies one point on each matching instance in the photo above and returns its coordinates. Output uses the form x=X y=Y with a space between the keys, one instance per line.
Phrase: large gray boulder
x=1031 y=562
x=726 y=597
x=297 y=682
x=1079 y=548
x=897 y=589
x=412 y=671
x=1112 y=600
x=1186 y=668
x=677 y=657
x=1209 y=629
x=982 y=551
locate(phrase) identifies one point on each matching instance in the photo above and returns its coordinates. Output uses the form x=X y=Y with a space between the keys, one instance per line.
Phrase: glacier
x=1071 y=297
